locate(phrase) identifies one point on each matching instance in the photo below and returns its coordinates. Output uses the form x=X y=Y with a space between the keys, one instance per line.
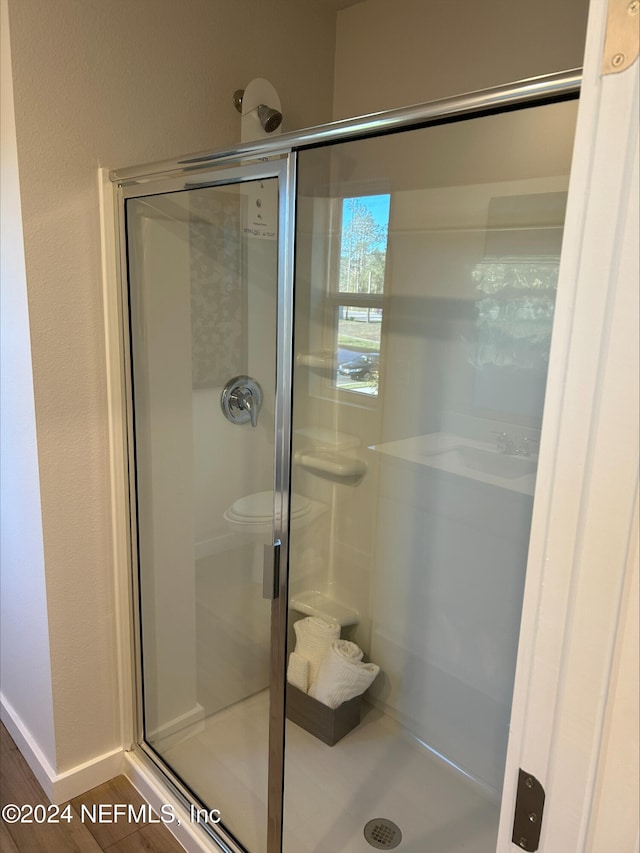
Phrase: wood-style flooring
x=18 y=785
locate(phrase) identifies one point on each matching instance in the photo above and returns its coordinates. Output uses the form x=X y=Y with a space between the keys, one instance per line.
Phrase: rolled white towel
x=342 y=675
x=347 y=650
x=313 y=639
x=298 y=672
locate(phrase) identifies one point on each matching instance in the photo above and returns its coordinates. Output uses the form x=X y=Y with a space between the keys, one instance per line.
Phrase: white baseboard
x=30 y=750
x=60 y=787
x=85 y=776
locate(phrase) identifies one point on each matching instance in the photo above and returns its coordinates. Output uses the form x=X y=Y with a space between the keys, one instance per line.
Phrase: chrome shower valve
x=241 y=400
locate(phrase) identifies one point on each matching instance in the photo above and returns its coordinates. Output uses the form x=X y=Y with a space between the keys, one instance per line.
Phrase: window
x=357 y=300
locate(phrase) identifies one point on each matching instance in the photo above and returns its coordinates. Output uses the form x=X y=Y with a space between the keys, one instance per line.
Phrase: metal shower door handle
x=241 y=400
x=271 y=570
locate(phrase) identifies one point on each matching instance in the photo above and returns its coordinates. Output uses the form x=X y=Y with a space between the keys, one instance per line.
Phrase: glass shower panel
x=203 y=307
x=424 y=465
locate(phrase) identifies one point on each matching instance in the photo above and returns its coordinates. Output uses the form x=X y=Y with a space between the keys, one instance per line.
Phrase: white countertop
x=465 y=457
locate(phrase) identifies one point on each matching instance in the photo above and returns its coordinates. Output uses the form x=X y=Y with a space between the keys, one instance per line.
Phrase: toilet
x=252 y=516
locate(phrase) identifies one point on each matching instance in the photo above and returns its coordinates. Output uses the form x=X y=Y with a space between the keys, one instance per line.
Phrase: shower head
x=270 y=119
x=260 y=108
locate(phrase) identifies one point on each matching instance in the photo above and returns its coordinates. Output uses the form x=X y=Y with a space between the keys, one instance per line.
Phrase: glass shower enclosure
x=337 y=356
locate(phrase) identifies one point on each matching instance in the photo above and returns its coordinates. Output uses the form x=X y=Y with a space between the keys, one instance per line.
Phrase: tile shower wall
x=234 y=292
x=228 y=339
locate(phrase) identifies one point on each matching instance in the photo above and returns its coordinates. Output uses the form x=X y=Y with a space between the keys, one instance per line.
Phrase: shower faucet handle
x=246 y=401
x=241 y=400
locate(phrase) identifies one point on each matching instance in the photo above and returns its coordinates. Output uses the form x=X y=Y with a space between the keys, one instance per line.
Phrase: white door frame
x=575 y=714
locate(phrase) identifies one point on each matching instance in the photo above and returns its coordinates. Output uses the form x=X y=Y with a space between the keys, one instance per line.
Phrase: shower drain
x=383 y=834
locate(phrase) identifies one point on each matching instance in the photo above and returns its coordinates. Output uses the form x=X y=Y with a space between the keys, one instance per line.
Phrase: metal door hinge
x=527 y=821
x=622 y=38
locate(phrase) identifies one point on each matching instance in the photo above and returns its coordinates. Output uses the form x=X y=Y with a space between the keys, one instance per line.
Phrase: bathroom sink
x=487 y=461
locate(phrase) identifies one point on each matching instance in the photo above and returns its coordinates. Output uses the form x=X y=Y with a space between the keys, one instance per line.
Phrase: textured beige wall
x=112 y=84
x=393 y=54
x=23 y=603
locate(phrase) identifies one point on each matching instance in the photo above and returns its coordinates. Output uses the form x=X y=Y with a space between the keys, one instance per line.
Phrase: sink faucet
x=525 y=447
x=505 y=444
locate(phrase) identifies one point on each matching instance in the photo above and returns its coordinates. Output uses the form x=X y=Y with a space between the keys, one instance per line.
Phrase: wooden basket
x=327 y=724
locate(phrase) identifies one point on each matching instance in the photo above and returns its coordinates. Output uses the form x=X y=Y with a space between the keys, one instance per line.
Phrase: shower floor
x=377 y=771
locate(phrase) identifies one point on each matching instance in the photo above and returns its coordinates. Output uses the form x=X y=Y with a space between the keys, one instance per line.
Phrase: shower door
x=426 y=271
x=208 y=300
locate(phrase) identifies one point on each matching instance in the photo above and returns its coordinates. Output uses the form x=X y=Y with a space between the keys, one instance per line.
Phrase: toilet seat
x=251 y=518
x=258 y=508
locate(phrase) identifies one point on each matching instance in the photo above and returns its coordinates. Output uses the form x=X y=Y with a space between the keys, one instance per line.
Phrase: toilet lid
x=259 y=507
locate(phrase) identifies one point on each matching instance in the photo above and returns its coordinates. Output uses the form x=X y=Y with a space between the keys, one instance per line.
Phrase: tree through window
x=363 y=245
x=363 y=251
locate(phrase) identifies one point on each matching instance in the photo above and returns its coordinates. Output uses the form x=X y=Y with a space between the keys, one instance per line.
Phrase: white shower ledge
x=314 y=603
x=465 y=457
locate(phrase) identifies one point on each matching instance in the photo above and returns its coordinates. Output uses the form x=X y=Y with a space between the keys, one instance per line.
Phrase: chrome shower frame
x=536 y=90
x=268 y=158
